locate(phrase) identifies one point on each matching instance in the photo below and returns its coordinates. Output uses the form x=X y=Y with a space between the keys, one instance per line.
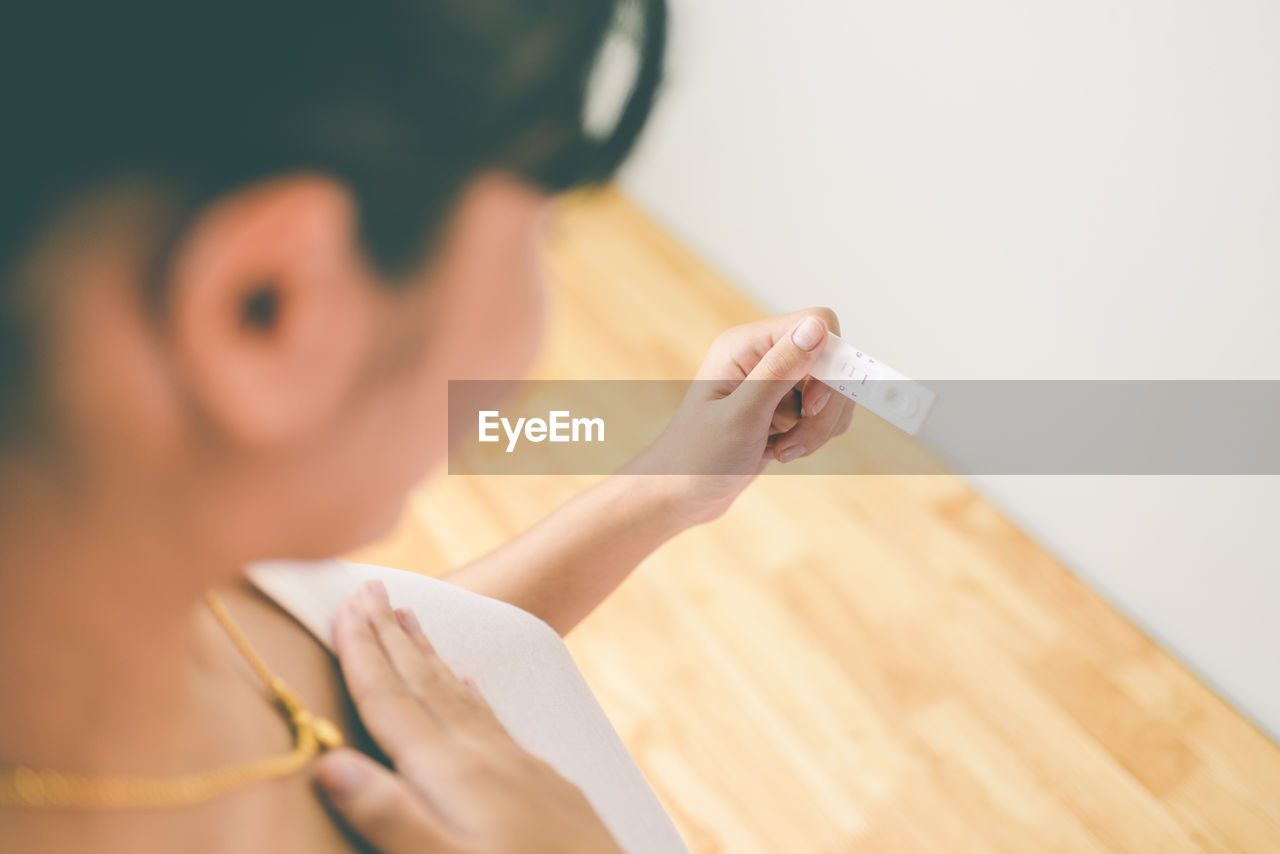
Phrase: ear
x=272 y=308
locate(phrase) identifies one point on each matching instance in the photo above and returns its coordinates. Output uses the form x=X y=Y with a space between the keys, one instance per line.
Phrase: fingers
x=473 y=700
x=814 y=431
x=447 y=698
x=389 y=709
x=414 y=659
x=379 y=806
x=787 y=413
x=407 y=696
x=814 y=396
x=773 y=328
x=738 y=349
x=783 y=365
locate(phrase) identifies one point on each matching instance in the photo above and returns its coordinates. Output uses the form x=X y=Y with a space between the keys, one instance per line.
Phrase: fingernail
x=807 y=334
x=786 y=455
x=820 y=401
x=471 y=683
x=408 y=620
x=375 y=593
x=342 y=774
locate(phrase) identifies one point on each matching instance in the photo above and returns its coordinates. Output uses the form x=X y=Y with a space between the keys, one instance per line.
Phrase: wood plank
x=854 y=663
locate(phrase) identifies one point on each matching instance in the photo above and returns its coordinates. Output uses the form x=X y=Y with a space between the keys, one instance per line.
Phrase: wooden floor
x=855 y=663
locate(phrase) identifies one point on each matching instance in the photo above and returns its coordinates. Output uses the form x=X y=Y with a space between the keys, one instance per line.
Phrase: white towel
x=521 y=666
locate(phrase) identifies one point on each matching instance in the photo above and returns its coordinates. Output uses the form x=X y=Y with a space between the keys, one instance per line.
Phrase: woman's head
x=245 y=245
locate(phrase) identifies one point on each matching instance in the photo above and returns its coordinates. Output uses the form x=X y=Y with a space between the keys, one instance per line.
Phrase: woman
x=245 y=246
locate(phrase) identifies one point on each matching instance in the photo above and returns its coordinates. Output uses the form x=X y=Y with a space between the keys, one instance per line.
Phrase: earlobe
x=271 y=310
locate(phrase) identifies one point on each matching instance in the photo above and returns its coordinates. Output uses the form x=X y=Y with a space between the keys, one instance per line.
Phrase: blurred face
x=287 y=397
x=476 y=313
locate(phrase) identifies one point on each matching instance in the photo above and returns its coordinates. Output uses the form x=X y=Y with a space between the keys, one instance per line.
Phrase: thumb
x=379 y=805
x=785 y=364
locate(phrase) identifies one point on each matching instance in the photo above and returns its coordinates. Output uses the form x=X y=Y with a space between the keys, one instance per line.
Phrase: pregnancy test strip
x=870 y=383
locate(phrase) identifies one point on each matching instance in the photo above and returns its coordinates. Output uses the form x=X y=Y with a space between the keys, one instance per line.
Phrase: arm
x=562 y=568
x=730 y=422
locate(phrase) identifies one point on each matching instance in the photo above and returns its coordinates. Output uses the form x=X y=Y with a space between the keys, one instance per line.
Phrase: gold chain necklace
x=22 y=786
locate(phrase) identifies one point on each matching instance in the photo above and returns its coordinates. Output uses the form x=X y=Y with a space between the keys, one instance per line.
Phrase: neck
x=103 y=639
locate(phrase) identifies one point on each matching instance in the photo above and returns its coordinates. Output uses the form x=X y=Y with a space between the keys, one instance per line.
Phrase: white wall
x=1022 y=190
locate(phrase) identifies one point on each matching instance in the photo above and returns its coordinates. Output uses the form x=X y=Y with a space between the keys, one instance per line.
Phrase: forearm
x=563 y=567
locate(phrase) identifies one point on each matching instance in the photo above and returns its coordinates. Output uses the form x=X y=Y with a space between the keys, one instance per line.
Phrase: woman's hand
x=461 y=784
x=751 y=402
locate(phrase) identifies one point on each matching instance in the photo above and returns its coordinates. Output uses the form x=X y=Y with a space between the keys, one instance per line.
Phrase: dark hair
x=402 y=100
